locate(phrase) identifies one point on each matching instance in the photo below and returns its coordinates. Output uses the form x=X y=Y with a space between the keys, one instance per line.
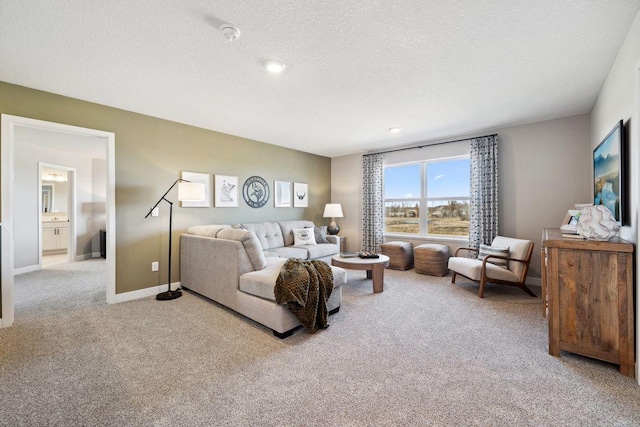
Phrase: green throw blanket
x=306 y=286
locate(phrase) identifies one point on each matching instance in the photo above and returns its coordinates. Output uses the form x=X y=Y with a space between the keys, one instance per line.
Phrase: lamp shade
x=333 y=210
x=191 y=192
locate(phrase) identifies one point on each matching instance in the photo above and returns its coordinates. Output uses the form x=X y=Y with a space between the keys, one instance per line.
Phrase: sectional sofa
x=238 y=267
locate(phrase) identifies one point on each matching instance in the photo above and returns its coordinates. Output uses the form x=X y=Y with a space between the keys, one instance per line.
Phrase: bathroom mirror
x=47 y=198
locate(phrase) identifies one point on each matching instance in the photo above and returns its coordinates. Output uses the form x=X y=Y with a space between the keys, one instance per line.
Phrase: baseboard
x=143 y=293
x=1 y=325
x=87 y=256
x=23 y=270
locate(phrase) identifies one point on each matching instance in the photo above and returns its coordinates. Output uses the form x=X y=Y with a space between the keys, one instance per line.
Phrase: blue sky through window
x=449 y=178
x=402 y=182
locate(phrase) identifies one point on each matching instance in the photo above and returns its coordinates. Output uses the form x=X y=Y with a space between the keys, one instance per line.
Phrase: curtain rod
x=430 y=145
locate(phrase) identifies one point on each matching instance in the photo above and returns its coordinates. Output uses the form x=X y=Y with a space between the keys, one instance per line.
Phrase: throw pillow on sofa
x=303 y=236
x=321 y=234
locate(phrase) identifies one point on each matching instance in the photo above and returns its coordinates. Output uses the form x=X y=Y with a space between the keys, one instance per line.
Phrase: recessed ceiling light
x=274 y=66
x=395 y=130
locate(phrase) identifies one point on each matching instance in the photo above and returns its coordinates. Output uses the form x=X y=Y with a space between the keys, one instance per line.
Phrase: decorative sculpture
x=597 y=223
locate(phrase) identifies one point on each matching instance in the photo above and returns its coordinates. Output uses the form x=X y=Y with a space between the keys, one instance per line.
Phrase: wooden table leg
x=378 y=277
x=369 y=274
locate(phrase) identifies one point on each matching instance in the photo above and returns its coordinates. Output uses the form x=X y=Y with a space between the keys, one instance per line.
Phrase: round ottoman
x=431 y=259
x=400 y=254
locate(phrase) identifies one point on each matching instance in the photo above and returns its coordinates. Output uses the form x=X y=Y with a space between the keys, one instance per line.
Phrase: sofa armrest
x=212 y=267
x=335 y=240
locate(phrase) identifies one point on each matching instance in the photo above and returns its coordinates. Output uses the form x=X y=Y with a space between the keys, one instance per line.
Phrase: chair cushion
x=517 y=249
x=472 y=268
x=491 y=250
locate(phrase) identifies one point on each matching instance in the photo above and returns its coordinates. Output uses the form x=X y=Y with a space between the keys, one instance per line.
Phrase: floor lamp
x=187 y=192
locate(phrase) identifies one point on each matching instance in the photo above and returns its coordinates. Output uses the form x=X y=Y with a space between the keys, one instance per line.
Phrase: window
x=440 y=187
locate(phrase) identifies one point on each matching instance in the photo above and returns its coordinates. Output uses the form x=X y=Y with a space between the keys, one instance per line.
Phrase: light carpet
x=423 y=352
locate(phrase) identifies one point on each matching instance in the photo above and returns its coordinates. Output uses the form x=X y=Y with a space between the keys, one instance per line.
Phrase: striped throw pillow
x=488 y=250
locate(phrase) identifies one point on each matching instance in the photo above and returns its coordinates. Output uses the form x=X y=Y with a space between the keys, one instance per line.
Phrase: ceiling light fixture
x=54 y=176
x=231 y=33
x=395 y=130
x=274 y=66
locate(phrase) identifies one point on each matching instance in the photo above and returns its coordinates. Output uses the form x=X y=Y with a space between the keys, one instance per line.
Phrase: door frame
x=9 y=123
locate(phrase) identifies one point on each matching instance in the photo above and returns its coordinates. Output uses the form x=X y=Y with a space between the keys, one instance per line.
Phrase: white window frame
x=423 y=201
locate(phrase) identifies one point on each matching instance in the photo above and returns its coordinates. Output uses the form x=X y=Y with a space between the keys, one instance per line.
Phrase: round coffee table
x=373 y=266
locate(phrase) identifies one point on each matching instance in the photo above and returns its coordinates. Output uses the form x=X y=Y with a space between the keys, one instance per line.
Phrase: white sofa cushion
x=320 y=251
x=262 y=283
x=269 y=234
x=291 y=252
x=207 y=230
x=250 y=243
x=288 y=226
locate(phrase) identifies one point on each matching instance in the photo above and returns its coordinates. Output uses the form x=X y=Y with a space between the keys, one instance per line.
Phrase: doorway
x=12 y=213
x=56 y=214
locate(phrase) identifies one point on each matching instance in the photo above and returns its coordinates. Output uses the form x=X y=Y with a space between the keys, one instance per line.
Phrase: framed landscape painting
x=609 y=173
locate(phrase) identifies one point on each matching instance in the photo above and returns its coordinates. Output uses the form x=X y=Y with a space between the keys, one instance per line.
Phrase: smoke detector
x=231 y=33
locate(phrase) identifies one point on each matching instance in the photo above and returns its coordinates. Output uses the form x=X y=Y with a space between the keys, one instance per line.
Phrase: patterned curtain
x=483 y=204
x=372 y=203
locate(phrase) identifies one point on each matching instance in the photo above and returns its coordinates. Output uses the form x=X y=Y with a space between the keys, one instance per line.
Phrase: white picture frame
x=282 y=194
x=300 y=195
x=201 y=178
x=227 y=191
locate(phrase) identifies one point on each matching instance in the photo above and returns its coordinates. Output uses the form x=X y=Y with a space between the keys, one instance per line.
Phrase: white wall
x=26 y=225
x=616 y=101
x=544 y=169
x=619 y=99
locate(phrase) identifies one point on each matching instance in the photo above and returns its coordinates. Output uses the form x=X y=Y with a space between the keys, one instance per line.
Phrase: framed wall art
x=202 y=178
x=609 y=173
x=282 y=194
x=255 y=191
x=226 y=191
x=300 y=195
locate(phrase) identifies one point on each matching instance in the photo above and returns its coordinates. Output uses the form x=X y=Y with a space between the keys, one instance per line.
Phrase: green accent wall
x=150 y=153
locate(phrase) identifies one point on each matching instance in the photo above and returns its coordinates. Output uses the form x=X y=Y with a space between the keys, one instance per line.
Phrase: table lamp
x=333 y=211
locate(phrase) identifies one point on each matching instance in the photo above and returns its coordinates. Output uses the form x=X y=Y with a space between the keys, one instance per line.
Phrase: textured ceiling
x=355 y=68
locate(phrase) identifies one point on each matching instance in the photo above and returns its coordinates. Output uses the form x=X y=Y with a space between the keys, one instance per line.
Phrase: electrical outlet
x=154 y=266
x=155 y=211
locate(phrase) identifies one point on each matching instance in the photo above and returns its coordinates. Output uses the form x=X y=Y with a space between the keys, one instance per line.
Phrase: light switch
x=155 y=211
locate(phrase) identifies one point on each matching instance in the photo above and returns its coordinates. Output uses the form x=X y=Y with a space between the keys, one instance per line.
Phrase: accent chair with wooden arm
x=483 y=271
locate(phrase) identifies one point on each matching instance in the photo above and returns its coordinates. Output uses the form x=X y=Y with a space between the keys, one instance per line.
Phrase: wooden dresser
x=590 y=296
